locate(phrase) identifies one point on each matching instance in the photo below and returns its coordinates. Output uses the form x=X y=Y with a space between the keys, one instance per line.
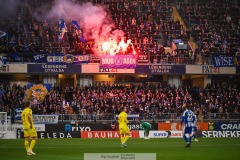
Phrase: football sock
x=185 y=138
x=33 y=142
x=26 y=143
x=126 y=138
x=122 y=139
x=194 y=136
x=190 y=139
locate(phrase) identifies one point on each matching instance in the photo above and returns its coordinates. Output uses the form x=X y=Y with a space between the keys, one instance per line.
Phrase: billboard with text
x=176 y=126
x=118 y=61
x=160 y=69
x=106 y=134
x=209 y=69
x=54 y=68
x=14 y=68
x=96 y=68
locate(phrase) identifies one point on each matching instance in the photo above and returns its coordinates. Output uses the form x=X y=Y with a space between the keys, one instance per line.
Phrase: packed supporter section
x=152 y=26
x=214 y=26
x=152 y=99
x=148 y=24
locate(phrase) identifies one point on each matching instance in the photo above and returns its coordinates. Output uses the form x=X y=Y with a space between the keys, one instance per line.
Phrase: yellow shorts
x=124 y=130
x=30 y=133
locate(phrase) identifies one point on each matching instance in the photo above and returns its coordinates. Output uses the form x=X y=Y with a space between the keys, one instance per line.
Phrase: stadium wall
x=93 y=130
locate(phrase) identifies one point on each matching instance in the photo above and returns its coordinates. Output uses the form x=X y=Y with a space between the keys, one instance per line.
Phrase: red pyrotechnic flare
x=113 y=47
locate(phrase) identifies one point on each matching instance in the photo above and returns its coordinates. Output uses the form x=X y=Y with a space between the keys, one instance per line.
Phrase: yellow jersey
x=25 y=120
x=122 y=119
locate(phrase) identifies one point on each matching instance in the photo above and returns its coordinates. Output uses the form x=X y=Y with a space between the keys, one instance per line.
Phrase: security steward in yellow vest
x=210 y=125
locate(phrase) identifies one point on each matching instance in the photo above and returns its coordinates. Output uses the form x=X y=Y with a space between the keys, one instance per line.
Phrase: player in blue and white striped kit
x=194 y=134
x=188 y=121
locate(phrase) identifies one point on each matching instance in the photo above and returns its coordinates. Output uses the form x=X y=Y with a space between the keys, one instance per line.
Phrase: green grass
x=165 y=149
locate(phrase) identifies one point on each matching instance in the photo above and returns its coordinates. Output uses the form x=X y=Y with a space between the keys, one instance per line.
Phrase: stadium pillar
x=207 y=79
x=175 y=80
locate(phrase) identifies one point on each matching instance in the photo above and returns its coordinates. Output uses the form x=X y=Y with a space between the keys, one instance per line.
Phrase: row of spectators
x=148 y=24
x=214 y=25
x=139 y=99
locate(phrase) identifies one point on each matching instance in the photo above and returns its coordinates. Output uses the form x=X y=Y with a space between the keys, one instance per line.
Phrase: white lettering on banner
x=110 y=134
x=61 y=135
x=108 y=61
x=82 y=58
x=129 y=60
x=54 y=70
x=103 y=134
x=210 y=69
x=230 y=126
x=224 y=61
x=36 y=57
x=43 y=135
x=219 y=134
x=160 y=68
x=54 y=135
x=47 y=66
x=55 y=59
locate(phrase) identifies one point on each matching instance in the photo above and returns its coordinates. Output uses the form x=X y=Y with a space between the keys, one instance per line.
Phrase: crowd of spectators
x=146 y=99
x=148 y=23
x=214 y=25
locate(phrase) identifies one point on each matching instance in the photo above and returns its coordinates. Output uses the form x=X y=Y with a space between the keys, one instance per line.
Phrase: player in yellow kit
x=123 y=128
x=29 y=129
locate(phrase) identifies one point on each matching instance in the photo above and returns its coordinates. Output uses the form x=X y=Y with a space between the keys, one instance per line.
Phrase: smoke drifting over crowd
x=96 y=23
x=8 y=8
x=94 y=20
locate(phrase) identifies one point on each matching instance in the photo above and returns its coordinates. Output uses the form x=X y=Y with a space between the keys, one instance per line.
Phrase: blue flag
x=75 y=23
x=48 y=86
x=29 y=85
x=62 y=29
x=16 y=56
x=78 y=31
x=3 y=34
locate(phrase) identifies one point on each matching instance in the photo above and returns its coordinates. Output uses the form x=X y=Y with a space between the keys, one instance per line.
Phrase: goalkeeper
x=146 y=127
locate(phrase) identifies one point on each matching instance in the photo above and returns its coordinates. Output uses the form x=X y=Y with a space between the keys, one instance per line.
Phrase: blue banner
x=16 y=56
x=223 y=61
x=53 y=68
x=219 y=126
x=160 y=69
x=177 y=41
x=39 y=57
x=68 y=59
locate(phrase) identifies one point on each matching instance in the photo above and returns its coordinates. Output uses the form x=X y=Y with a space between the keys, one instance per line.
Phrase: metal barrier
x=86 y=117
x=160 y=117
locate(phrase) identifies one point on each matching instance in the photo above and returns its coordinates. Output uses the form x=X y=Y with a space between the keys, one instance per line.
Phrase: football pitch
x=165 y=149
